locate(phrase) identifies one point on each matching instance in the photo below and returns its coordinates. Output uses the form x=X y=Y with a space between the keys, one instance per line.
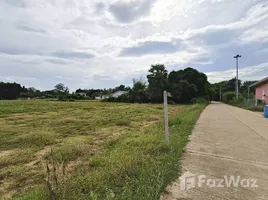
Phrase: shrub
x=123 y=98
x=202 y=100
x=110 y=99
x=235 y=101
x=171 y=102
x=183 y=92
x=241 y=99
x=228 y=96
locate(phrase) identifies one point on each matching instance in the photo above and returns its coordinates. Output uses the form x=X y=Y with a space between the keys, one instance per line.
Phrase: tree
x=183 y=92
x=210 y=91
x=11 y=90
x=139 y=92
x=244 y=88
x=138 y=85
x=192 y=76
x=175 y=76
x=67 y=90
x=61 y=88
x=231 y=85
x=189 y=91
x=121 y=88
x=158 y=82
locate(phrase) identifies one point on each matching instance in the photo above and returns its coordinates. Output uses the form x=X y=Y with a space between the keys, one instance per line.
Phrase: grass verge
x=253 y=108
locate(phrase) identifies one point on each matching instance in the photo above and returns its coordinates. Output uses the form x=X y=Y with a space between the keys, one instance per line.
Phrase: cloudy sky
x=103 y=43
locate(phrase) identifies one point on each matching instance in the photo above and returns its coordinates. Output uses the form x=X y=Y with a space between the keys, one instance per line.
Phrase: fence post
x=166 y=117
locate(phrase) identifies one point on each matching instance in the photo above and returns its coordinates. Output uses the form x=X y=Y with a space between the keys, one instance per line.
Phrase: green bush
x=110 y=99
x=171 y=102
x=241 y=99
x=202 y=100
x=227 y=97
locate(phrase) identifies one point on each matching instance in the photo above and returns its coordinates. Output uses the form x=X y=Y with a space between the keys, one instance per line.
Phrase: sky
x=105 y=43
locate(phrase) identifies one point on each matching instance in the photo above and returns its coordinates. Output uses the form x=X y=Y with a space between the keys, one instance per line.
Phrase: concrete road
x=227 y=144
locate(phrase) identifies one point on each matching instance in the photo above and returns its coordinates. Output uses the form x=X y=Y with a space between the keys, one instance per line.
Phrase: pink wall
x=259 y=92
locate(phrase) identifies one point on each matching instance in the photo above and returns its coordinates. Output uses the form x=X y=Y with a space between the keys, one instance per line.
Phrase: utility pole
x=248 y=93
x=220 y=93
x=236 y=91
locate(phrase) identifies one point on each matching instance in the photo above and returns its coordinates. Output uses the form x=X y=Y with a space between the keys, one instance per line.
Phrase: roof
x=118 y=93
x=260 y=82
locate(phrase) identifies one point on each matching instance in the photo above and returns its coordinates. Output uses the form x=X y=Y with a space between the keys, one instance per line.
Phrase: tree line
x=225 y=90
x=11 y=90
x=184 y=86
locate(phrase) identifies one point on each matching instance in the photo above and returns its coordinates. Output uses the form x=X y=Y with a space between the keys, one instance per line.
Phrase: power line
x=254 y=72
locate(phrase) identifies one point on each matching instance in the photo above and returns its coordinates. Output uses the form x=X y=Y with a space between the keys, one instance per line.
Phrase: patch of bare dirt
x=6 y=153
x=39 y=156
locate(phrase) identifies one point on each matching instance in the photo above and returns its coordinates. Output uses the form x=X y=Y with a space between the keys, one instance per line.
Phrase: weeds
x=56 y=176
x=136 y=166
x=121 y=158
x=123 y=123
x=16 y=157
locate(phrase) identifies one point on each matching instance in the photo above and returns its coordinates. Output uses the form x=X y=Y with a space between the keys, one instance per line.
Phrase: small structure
x=118 y=93
x=114 y=95
x=83 y=94
x=101 y=97
x=261 y=91
x=98 y=98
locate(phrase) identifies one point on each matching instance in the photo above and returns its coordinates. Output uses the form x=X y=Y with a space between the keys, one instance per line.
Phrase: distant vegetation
x=12 y=91
x=228 y=88
x=246 y=98
x=184 y=86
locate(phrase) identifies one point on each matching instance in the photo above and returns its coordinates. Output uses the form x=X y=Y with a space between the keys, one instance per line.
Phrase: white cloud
x=80 y=42
x=251 y=73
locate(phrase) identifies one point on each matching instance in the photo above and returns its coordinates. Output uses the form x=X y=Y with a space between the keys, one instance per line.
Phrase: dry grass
x=33 y=132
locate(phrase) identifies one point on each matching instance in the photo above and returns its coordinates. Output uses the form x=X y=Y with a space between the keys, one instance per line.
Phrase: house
x=101 y=97
x=83 y=94
x=261 y=91
x=115 y=95
x=98 y=98
x=118 y=93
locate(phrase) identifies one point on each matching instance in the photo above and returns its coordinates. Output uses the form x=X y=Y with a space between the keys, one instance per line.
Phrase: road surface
x=227 y=144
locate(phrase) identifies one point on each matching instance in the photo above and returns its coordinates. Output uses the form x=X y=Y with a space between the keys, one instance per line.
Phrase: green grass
x=136 y=166
x=259 y=108
x=35 y=194
x=123 y=123
x=110 y=150
x=17 y=157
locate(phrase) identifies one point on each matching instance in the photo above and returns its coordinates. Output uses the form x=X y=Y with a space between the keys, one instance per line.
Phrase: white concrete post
x=166 y=117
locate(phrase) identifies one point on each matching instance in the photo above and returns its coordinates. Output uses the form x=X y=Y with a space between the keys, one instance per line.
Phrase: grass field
x=89 y=150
